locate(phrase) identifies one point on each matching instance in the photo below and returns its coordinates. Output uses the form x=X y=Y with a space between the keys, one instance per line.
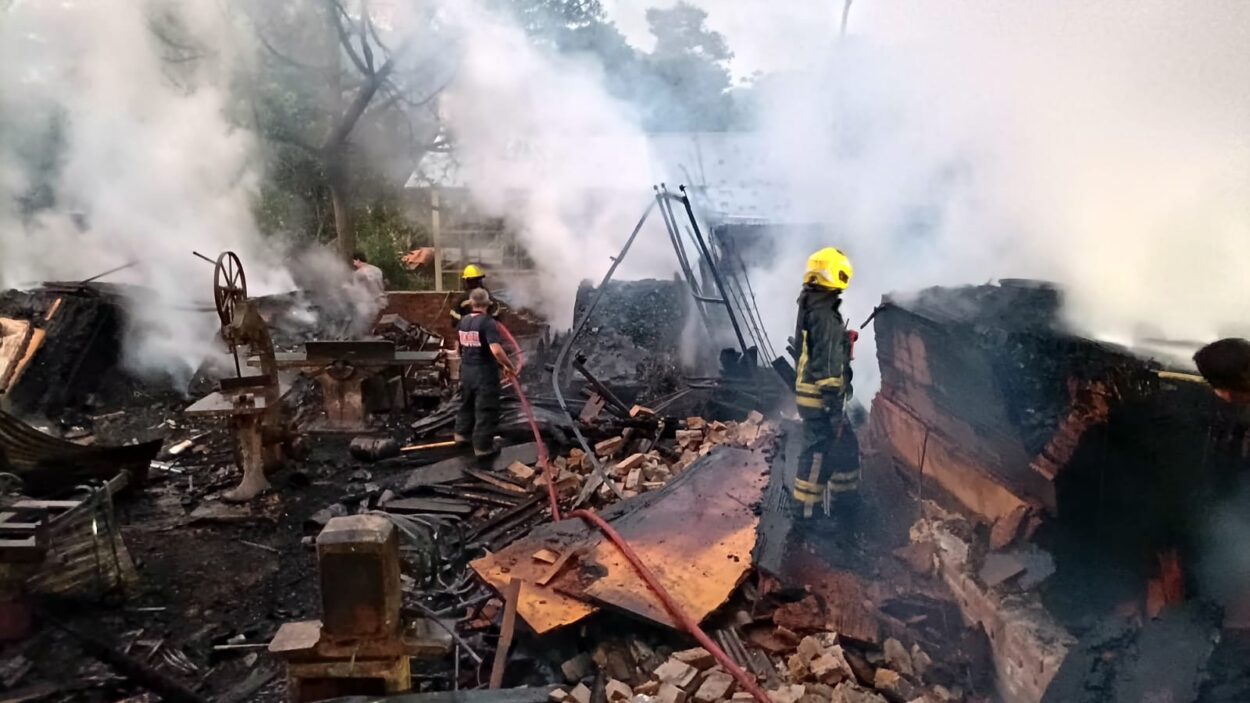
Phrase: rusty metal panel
x=697 y=538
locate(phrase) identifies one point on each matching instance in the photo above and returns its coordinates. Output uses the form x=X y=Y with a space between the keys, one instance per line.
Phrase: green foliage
x=689 y=67
x=683 y=84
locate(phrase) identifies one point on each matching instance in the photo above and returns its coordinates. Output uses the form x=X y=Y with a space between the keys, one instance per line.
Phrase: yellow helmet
x=829 y=268
x=472 y=271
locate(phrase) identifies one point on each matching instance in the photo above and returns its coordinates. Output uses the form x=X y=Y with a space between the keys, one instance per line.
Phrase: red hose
x=687 y=623
x=543 y=459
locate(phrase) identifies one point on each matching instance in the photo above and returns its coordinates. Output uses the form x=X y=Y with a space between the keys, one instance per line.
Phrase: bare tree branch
x=364 y=96
x=363 y=34
x=338 y=14
x=373 y=32
x=846 y=14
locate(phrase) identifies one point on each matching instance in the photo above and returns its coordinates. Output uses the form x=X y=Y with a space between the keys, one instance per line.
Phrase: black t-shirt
x=477 y=332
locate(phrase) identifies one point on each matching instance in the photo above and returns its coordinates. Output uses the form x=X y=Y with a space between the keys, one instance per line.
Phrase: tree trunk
x=345 y=234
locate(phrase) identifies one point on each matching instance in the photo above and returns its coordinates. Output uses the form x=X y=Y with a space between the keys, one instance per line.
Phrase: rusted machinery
x=344 y=369
x=253 y=404
x=360 y=645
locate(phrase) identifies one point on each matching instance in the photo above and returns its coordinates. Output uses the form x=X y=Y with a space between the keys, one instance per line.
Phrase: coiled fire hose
x=687 y=623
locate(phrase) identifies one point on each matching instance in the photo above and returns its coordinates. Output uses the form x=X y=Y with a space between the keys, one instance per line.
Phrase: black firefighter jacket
x=823 y=379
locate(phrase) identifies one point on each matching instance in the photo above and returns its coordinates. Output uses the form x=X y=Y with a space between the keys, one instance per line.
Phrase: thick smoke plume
x=542 y=143
x=109 y=154
x=1099 y=145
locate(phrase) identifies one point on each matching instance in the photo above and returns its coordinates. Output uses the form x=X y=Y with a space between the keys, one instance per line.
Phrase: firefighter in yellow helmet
x=473 y=277
x=828 y=473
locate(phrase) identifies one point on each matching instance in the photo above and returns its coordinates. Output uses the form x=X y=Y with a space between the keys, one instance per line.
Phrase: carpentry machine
x=253 y=404
x=343 y=369
x=359 y=646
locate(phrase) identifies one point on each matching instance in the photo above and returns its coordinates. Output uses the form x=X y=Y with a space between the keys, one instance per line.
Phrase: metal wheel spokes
x=229 y=286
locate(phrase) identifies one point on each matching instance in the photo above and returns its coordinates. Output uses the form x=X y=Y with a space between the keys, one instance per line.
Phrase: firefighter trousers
x=478 y=418
x=829 y=461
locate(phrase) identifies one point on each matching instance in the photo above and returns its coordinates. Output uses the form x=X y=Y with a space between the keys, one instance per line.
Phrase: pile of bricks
x=638 y=465
x=821 y=670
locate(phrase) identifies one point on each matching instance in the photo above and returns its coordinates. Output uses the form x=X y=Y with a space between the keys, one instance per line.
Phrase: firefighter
x=474 y=278
x=828 y=470
x=482 y=362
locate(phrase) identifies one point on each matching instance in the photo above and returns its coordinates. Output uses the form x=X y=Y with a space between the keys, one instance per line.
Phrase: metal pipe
x=716 y=277
x=123 y=267
x=674 y=236
x=746 y=276
x=596 y=465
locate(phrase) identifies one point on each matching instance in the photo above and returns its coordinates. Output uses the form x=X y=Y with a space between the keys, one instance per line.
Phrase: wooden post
x=435 y=227
x=512 y=595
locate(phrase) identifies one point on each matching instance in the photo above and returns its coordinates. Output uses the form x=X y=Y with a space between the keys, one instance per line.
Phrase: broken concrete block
x=809 y=648
x=897 y=658
x=787 y=694
x=831 y=667
x=742 y=697
x=618 y=690
x=695 y=423
x=559 y=695
x=580 y=694
x=609 y=446
x=817 y=693
x=850 y=693
x=641 y=411
x=520 y=471
x=697 y=657
x=650 y=688
x=796 y=667
x=754 y=418
x=669 y=693
x=717 y=685
x=893 y=686
x=676 y=672
x=920 y=661
x=633 y=480
x=748 y=435
x=577 y=668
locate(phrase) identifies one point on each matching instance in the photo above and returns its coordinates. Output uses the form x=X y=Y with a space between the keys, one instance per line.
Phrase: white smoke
x=150 y=168
x=540 y=142
x=1100 y=145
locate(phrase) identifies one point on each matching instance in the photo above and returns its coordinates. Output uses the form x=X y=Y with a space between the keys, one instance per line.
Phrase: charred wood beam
x=168 y=688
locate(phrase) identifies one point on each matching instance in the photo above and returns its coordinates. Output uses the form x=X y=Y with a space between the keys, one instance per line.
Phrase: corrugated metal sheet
x=47 y=464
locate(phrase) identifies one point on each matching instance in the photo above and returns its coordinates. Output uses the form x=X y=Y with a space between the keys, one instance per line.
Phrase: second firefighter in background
x=828 y=472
